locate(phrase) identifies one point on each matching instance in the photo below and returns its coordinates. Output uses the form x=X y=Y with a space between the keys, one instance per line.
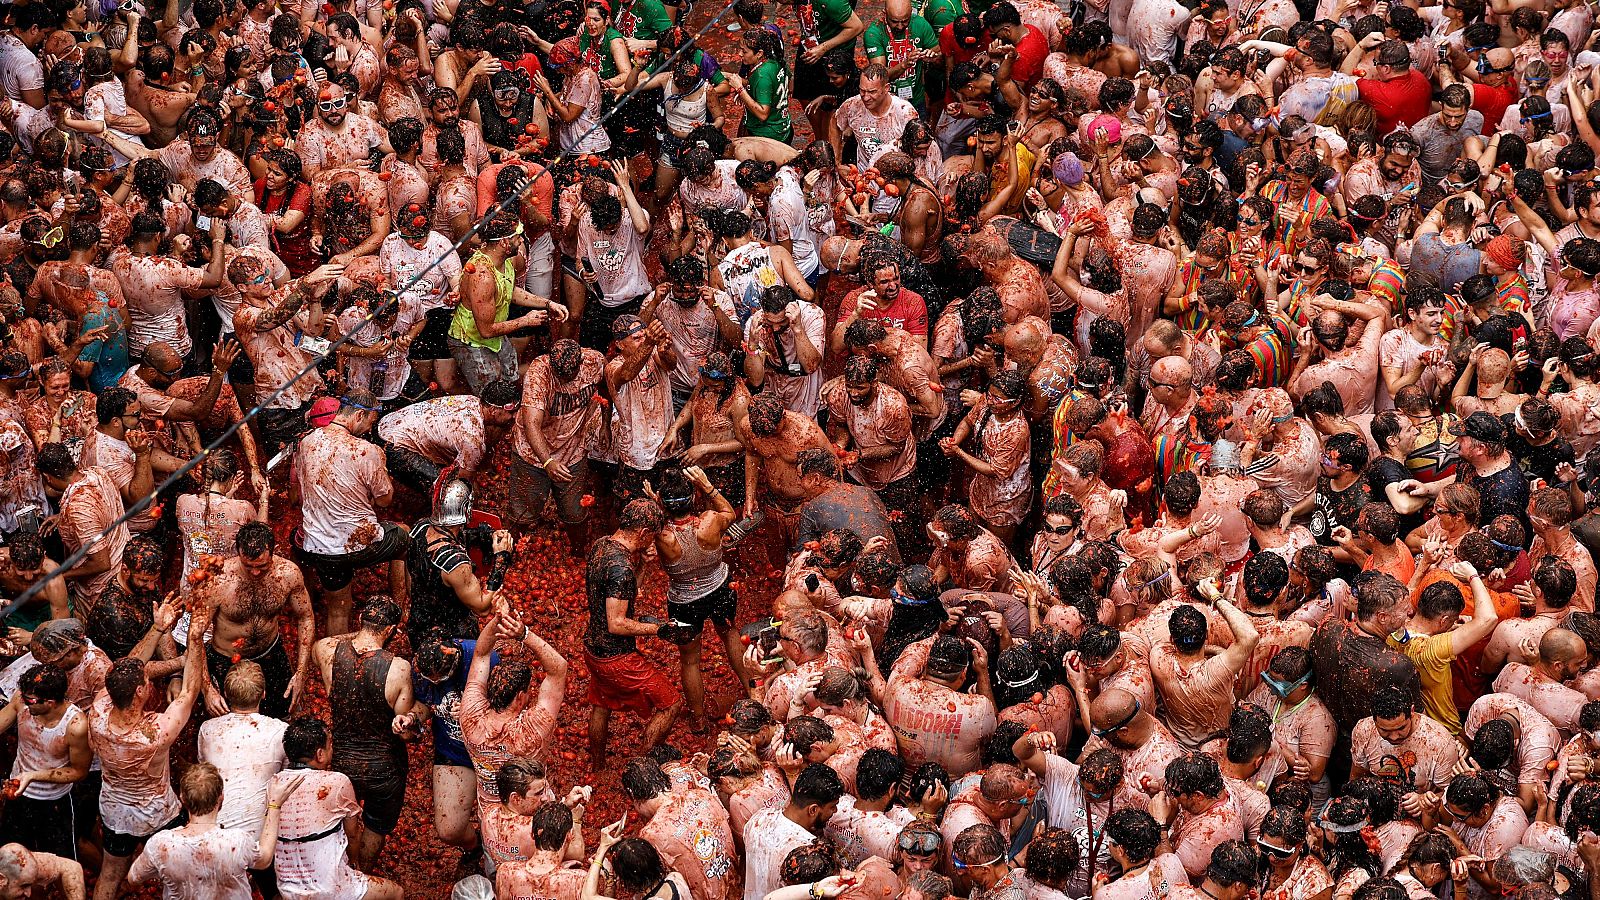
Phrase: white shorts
x=540 y=279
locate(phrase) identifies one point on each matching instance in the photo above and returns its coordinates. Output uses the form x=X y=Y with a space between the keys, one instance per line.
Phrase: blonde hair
x=200 y=789
x=244 y=685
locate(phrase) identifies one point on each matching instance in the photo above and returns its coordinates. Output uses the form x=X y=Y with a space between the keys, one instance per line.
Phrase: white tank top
x=685 y=112
x=40 y=748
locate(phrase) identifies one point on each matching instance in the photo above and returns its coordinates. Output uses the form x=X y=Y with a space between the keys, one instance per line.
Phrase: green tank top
x=464 y=325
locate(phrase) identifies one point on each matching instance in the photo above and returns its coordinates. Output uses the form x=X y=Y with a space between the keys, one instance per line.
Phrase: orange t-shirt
x=1468 y=682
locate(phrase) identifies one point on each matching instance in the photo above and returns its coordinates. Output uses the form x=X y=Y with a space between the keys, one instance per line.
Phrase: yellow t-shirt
x=1432 y=655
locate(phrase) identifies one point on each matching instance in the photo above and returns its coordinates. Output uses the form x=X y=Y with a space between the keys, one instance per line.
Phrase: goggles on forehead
x=1284 y=688
x=713 y=374
x=921 y=843
x=959 y=865
x=1547 y=114
x=1487 y=68
x=1103 y=732
x=905 y=599
x=351 y=404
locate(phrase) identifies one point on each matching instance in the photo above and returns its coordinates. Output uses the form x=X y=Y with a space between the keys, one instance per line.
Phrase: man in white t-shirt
x=245 y=746
x=21 y=74
x=875 y=118
x=773 y=832
x=611 y=250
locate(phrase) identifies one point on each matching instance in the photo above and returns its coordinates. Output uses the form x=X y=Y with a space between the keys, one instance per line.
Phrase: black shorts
x=430 y=344
x=380 y=785
x=594 y=332
x=275 y=668
x=124 y=845
x=719 y=606
x=336 y=571
x=411 y=469
x=43 y=826
x=86 y=804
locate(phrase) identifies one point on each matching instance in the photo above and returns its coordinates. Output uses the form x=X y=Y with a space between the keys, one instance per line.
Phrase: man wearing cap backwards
x=338 y=136
x=269 y=323
x=248 y=597
x=341 y=480
x=1392 y=170
x=481 y=330
x=1501 y=486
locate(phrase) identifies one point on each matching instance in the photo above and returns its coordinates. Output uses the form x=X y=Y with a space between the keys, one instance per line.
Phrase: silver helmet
x=453 y=505
x=1225 y=456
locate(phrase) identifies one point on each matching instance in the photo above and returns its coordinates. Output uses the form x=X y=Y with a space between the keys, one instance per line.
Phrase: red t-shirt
x=528 y=63
x=1402 y=101
x=1031 y=51
x=958 y=53
x=1493 y=101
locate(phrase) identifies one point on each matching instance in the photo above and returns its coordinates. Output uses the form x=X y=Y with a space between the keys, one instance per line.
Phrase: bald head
x=1561 y=647
x=840 y=254
x=897 y=9
x=1113 y=707
x=161 y=357
x=1024 y=342
x=17 y=868
x=1171 y=377
x=1003 y=782
x=1162 y=338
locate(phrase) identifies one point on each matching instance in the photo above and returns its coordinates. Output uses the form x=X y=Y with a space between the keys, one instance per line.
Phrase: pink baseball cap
x=1111 y=125
x=323 y=412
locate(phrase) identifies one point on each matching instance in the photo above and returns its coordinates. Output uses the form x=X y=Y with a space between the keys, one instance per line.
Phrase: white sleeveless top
x=43 y=748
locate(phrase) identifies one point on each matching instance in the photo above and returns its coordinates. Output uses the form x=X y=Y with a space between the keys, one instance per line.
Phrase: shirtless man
x=133 y=745
x=1046 y=360
x=1496 y=392
x=1551 y=510
x=154 y=93
x=1352 y=369
x=1196 y=689
x=1550 y=592
x=22 y=871
x=248 y=597
x=773 y=438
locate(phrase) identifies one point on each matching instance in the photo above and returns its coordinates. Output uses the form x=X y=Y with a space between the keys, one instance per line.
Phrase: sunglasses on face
x=1279 y=852
x=1059 y=529
x=1249 y=223
x=331 y=105
x=1304 y=269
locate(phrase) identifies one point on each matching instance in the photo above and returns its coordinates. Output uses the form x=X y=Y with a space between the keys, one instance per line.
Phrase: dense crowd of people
x=1124 y=449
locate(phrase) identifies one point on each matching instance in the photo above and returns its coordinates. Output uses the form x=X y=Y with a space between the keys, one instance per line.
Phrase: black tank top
x=362 y=716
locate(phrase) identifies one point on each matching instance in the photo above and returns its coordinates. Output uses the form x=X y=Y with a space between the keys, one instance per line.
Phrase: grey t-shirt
x=1441 y=147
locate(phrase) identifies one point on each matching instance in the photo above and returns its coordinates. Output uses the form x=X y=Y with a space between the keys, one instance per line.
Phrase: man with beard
x=248 y=597
x=834 y=503
x=850 y=256
x=444 y=114
x=337 y=137
x=560 y=413
x=773 y=438
x=886 y=301
x=699 y=319
x=874 y=421
x=196 y=157
x=1387 y=174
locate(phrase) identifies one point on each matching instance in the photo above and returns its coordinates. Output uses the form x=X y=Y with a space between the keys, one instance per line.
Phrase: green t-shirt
x=939 y=13
x=644 y=20
x=826 y=17
x=891 y=52
x=605 y=63
x=769 y=86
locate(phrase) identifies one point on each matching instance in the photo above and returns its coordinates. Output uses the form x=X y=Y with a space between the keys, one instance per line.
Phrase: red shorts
x=628 y=683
